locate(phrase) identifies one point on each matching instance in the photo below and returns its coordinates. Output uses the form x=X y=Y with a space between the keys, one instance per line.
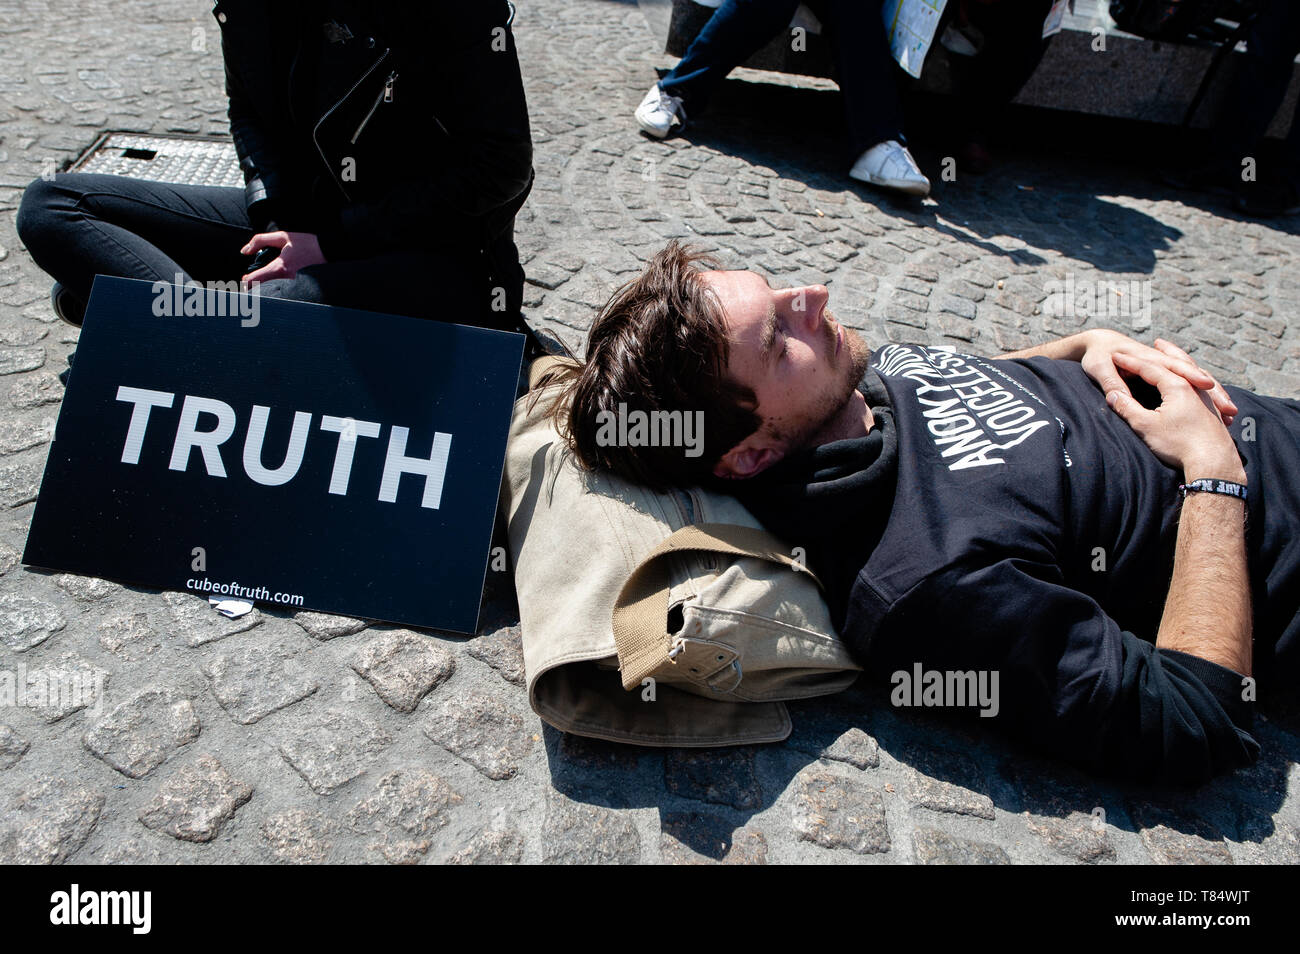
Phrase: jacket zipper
x=385 y=96
x=315 y=133
x=695 y=504
x=684 y=506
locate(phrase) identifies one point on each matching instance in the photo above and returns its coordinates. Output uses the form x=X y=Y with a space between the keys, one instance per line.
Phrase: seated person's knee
x=36 y=218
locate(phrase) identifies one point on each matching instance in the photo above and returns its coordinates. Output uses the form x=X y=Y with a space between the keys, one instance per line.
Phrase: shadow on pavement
x=1052 y=183
x=855 y=743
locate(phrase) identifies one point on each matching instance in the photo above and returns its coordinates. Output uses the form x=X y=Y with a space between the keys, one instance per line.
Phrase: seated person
x=866 y=73
x=1027 y=515
x=383 y=170
x=1257 y=92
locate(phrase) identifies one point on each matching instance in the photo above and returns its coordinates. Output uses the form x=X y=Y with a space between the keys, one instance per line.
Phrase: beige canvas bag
x=655 y=618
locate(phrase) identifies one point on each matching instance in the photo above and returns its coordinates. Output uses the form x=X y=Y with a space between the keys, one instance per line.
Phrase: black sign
x=303 y=456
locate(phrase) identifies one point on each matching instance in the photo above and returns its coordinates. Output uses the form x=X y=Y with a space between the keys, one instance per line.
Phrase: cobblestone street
x=313 y=738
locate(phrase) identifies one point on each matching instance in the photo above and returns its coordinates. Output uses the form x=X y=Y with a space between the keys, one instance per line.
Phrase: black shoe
x=67 y=306
x=1266 y=200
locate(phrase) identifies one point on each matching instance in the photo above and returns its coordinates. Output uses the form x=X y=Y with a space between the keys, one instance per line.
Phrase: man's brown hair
x=659 y=344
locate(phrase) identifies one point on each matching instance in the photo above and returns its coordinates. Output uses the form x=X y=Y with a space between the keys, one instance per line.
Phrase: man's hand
x=297 y=250
x=1102 y=347
x=1208 y=609
x=1185 y=431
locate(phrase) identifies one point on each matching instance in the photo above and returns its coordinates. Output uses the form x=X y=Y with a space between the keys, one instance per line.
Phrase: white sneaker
x=890 y=166
x=658 y=111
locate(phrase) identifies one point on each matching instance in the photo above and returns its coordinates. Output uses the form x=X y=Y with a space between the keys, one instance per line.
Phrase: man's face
x=801 y=363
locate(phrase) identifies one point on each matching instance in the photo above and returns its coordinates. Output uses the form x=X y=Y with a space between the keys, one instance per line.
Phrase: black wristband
x=1211 y=485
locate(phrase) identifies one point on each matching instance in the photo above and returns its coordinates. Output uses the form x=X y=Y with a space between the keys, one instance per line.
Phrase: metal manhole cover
x=189 y=160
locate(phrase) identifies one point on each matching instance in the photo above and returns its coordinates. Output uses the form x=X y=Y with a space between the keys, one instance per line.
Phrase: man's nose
x=813 y=299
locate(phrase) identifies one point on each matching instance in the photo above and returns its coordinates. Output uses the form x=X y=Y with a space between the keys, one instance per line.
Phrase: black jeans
x=77 y=226
x=984 y=85
x=867 y=75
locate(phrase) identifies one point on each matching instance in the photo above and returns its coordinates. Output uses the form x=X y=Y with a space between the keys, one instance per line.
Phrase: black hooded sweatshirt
x=999 y=517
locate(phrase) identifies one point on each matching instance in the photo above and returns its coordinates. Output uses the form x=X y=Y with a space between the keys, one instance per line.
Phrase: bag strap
x=640 y=617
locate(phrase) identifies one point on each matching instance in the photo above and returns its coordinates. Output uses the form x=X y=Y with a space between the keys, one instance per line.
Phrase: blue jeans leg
x=736 y=30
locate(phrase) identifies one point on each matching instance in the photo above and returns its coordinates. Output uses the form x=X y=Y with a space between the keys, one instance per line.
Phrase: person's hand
x=1102 y=346
x=297 y=250
x=1185 y=431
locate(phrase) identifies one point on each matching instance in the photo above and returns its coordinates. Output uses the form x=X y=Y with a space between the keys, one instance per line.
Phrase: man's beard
x=858 y=358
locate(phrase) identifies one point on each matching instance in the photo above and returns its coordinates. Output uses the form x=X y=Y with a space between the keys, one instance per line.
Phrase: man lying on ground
x=1087 y=539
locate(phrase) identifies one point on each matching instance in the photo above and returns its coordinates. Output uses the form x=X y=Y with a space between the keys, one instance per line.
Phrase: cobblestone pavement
x=313 y=738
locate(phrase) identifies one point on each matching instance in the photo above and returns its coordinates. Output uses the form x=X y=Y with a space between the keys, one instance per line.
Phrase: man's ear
x=751 y=456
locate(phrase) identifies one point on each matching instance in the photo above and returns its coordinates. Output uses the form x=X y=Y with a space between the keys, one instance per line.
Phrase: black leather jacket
x=378 y=126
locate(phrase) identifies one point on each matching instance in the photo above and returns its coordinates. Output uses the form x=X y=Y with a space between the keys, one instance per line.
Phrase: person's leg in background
x=1285 y=197
x=867 y=74
x=736 y=30
x=1257 y=90
x=868 y=79
x=1013 y=46
x=77 y=226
